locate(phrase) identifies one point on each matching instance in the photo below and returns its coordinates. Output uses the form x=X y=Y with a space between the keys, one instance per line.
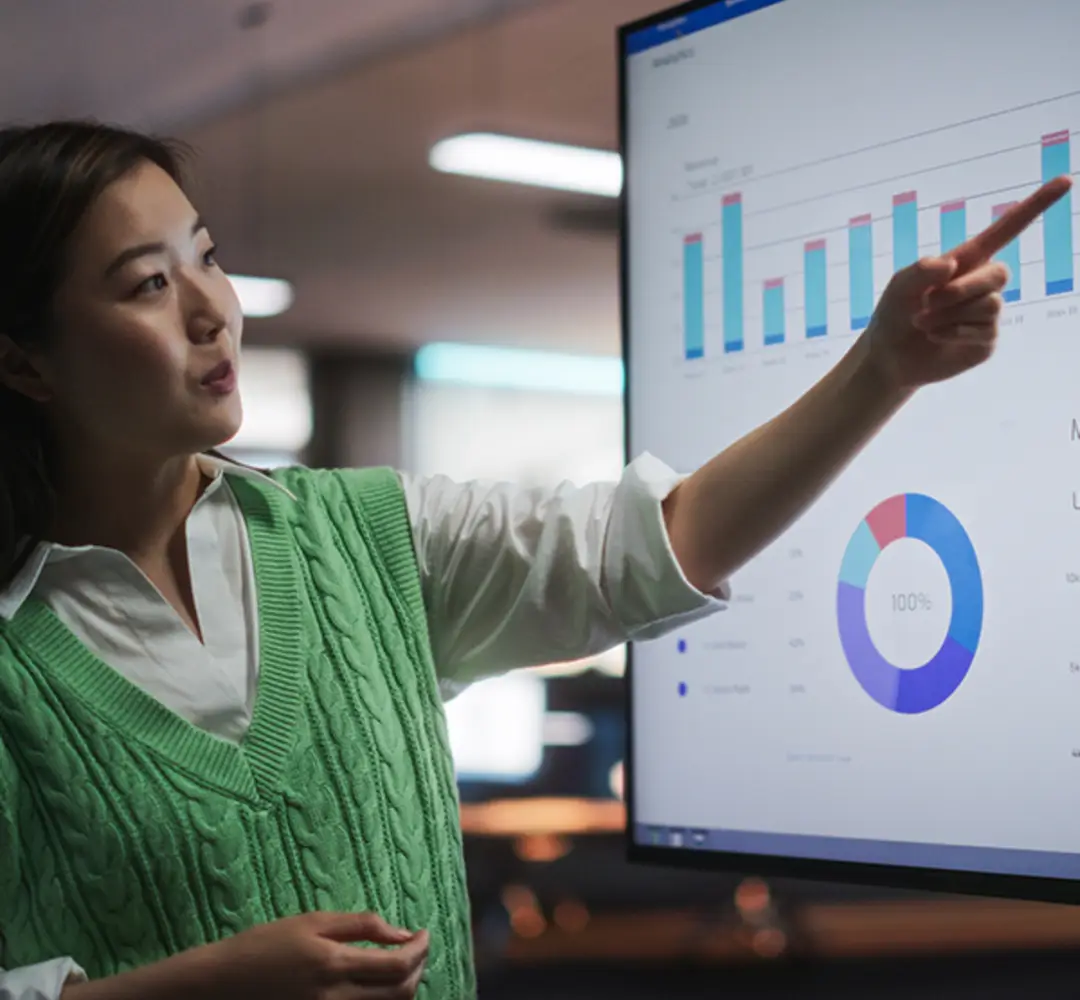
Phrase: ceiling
x=312 y=133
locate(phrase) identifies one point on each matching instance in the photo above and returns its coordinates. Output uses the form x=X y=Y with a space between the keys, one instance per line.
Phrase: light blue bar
x=816 y=290
x=694 y=297
x=861 y=268
x=905 y=233
x=953 y=226
x=774 y=313
x=859 y=557
x=1057 y=220
x=1009 y=255
x=732 y=226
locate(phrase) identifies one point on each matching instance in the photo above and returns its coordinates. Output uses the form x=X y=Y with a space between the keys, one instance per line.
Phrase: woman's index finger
x=1000 y=233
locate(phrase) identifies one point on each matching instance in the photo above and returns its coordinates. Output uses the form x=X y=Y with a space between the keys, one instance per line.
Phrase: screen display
x=897 y=678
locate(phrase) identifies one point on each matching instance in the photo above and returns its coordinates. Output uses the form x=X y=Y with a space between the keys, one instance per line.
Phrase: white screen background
x=774 y=734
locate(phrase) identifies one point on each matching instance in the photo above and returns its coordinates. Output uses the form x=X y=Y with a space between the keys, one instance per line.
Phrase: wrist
x=875 y=377
x=197 y=972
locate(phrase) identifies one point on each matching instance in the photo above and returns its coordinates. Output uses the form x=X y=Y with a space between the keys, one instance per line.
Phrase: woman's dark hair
x=50 y=175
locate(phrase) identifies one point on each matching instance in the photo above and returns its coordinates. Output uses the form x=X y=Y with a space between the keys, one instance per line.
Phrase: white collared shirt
x=506 y=574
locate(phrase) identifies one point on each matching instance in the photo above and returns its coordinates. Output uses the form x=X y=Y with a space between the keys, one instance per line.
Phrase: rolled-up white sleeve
x=517 y=577
x=44 y=981
x=647 y=588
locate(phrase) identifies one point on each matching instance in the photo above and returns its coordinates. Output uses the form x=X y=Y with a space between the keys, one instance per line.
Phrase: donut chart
x=919 y=517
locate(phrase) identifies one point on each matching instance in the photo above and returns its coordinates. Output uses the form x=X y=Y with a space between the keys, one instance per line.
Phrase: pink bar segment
x=693 y=238
x=953 y=206
x=815 y=245
x=904 y=197
x=1055 y=138
x=861 y=220
x=733 y=199
x=999 y=210
x=774 y=282
x=888 y=520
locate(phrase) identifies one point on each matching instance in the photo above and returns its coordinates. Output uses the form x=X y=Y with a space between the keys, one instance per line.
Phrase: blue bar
x=773 y=305
x=905 y=230
x=953 y=225
x=861 y=268
x=694 y=296
x=1057 y=219
x=816 y=289
x=688 y=24
x=731 y=224
x=1009 y=256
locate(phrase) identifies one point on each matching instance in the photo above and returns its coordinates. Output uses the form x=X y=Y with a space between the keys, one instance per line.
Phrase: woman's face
x=144 y=315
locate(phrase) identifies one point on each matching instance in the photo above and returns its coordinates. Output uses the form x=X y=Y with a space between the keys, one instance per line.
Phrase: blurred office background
x=448 y=324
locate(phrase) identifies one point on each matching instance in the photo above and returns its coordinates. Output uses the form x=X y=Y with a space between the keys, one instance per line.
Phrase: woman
x=223 y=758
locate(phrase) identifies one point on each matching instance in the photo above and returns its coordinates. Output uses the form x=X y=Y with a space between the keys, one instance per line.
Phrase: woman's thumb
x=348 y=927
x=914 y=281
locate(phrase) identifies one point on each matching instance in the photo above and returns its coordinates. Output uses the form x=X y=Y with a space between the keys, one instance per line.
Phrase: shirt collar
x=213 y=467
x=22 y=586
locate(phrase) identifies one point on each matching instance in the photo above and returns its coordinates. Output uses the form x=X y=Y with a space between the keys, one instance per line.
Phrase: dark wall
x=357 y=403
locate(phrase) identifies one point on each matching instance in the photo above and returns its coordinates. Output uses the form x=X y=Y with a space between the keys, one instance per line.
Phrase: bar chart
x=749 y=308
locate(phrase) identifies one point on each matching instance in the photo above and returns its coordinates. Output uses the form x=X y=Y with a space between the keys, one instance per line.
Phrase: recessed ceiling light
x=529 y=161
x=261 y=297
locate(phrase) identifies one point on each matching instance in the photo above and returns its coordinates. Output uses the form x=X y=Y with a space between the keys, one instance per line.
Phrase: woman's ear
x=22 y=373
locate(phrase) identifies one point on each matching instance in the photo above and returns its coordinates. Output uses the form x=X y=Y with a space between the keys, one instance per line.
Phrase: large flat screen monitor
x=893 y=693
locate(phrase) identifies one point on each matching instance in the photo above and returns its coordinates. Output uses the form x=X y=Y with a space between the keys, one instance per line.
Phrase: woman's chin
x=222 y=428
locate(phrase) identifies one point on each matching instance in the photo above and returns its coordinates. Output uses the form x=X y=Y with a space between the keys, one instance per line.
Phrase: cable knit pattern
x=387 y=614
x=127 y=834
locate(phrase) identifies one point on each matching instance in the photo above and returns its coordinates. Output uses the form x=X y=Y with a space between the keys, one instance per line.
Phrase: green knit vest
x=128 y=834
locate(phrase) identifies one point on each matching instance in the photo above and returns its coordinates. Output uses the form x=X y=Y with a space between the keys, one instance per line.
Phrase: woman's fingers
x=967 y=307
x=973 y=335
x=982 y=311
x=981 y=281
x=371 y=966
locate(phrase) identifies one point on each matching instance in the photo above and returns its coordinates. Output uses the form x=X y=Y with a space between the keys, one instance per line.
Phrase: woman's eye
x=210 y=257
x=155 y=283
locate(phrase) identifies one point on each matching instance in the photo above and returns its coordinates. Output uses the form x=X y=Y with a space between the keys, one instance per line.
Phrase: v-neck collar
x=213 y=466
x=250 y=769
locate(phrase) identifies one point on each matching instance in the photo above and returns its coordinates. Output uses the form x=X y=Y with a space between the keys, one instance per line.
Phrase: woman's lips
x=221 y=379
